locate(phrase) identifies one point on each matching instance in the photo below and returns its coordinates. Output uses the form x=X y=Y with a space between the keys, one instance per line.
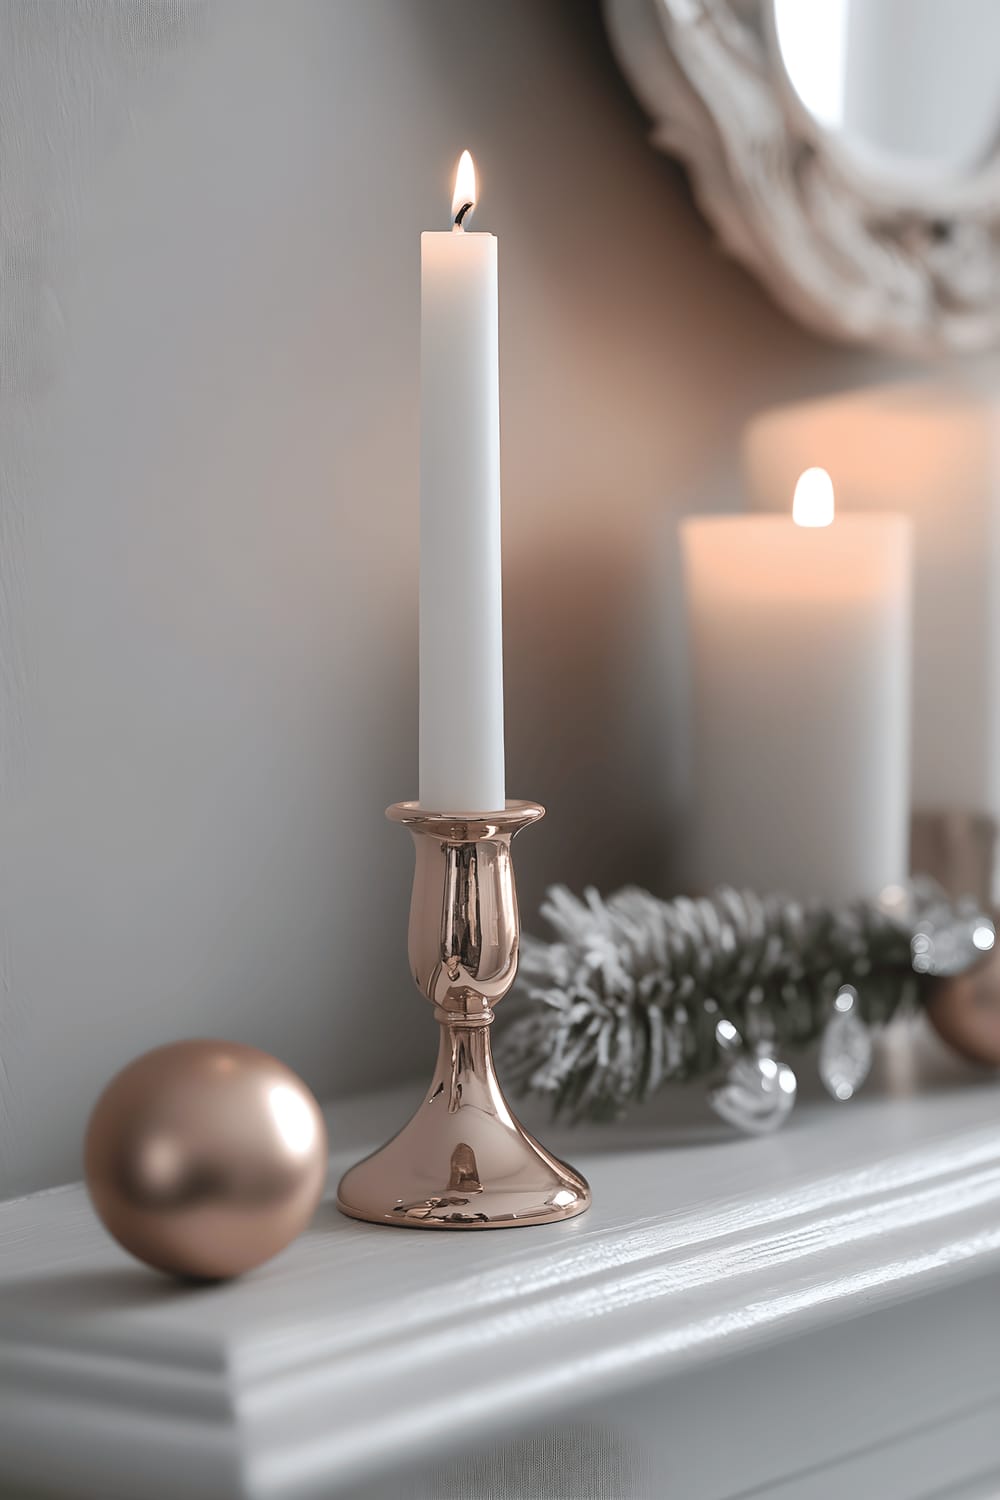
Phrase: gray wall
x=208 y=353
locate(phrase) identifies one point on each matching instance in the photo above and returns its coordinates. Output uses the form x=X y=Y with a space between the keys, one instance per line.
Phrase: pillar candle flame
x=813 y=502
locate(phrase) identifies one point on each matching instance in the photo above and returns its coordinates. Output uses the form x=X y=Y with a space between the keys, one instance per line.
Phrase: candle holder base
x=464 y=1161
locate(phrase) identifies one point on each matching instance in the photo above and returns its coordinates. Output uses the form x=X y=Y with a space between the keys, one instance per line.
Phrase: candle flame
x=463 y=200
x=813 y=502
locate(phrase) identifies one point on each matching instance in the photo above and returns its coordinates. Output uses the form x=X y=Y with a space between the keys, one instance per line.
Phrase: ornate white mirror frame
x=912 y=267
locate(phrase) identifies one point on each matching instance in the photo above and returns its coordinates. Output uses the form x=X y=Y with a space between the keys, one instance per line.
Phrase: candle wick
x=466 y=208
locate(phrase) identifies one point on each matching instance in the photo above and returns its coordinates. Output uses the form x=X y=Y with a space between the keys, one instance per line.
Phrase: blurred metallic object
x=965 y=1012
x=758 y=1093
x=463 y=1161
x=205 y=1158
x=958 y=850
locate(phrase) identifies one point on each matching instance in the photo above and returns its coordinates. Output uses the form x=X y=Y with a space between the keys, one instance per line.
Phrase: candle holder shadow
x=464 y=1161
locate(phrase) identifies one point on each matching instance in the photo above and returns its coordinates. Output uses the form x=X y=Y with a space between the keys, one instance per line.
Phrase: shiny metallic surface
x=463 y=1161
x=965 y=1012
x=205 y=1158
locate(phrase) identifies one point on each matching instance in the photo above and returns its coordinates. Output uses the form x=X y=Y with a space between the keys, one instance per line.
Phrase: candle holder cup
x=464 y=1161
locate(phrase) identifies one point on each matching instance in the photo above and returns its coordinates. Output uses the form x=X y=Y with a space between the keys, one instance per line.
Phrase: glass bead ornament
x=846 y=1049
x=758 y=1092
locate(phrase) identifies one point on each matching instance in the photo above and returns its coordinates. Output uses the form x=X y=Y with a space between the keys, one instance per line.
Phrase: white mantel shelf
x=361 y=1349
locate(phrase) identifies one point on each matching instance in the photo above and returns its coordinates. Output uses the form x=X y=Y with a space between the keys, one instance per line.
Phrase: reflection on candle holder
x=464 y=1161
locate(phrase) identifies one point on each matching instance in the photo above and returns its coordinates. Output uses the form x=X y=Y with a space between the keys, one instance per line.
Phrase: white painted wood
x=708 y=1265
x=848 y=252
x=899 y=1405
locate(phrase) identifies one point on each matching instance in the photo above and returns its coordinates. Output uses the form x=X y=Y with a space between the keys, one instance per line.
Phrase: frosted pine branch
x=627 y=997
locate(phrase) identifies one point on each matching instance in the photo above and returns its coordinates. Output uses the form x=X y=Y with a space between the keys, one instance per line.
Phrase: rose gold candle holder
x=463 y=1161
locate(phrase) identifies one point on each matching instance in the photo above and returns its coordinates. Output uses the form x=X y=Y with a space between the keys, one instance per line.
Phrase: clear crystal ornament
x=845 y=1051
x=757 y=1093
x=949 y=937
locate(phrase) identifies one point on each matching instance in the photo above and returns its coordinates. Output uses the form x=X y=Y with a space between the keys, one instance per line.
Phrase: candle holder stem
x=464 y=1161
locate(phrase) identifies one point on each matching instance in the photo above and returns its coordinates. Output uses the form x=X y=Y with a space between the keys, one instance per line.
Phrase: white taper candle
x=461 y=643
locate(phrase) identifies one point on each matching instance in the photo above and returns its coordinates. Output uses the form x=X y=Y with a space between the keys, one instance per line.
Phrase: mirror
x=907 y=88
x=846 y=151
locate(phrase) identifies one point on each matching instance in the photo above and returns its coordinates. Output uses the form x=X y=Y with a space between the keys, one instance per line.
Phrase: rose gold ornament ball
x=965 y=1012
x=205 y=1158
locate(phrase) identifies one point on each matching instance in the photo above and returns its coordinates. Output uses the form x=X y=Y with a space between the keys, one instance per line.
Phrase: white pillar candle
x=799 y=639
x=461 y=647
x=931 y=451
